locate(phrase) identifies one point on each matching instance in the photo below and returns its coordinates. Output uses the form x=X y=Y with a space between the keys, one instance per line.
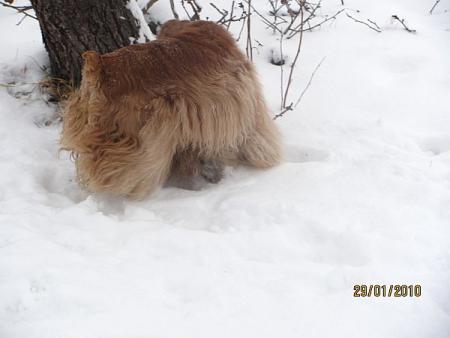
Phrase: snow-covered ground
x=363 y=197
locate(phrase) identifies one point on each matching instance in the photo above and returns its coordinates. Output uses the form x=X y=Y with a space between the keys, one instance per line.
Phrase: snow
x=145 y=34
x=362 y=198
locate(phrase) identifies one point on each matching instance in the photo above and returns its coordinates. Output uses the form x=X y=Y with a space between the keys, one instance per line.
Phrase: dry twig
x=21 y=9
x=372 y=25
x=231 y=15
x=281 y=71
x=196 y=9
x=434 y=6
x=264 y=19
x=227 y=17
x=299 y=28
x=402 y=21
x=147 y=7
x=280 y=114
x=249 y=48
x=172 y=7
x=243 y=21
x=309 y=82
x=302 y=4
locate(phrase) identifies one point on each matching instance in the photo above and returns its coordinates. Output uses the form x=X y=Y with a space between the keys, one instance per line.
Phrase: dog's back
x=184 y=51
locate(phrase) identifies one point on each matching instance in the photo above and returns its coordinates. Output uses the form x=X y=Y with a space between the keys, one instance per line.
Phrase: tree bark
x=71 y=27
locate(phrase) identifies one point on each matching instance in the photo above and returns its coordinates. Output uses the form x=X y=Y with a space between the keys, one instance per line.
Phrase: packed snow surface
x=362 y=197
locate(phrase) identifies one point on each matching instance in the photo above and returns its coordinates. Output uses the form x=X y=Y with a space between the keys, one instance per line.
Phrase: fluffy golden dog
x=185 y=104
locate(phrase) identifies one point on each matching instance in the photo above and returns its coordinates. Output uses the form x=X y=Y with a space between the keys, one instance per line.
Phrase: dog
x=184 y=105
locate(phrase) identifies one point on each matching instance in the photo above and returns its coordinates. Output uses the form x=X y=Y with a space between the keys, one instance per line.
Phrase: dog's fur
x=180 y=105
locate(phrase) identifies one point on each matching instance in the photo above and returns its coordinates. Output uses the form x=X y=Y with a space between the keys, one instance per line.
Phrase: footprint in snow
x=437 y=145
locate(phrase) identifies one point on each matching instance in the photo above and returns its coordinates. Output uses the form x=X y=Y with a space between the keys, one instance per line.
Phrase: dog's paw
x=212 y=171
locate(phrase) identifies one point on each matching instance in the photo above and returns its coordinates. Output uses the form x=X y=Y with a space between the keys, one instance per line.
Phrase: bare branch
x=302 y=4
x=224 y=12
x=147 y=7
x=196 y=8
x=264 y=19
x=228 y=17
x=312 y=12
x=249 y=48
x=294 y=15
x=402 y=21
x=280 y=114
x=242 y=27
x=373 y=27
x=297 y=29
x=274 y=12
x=374 y=23
x=281 y=71
x=231 y=15
x=21 y=9
x=309 y=82
x=434 y=6
x=172 y=7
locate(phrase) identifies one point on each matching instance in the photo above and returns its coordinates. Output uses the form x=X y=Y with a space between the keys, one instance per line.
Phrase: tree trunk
x=70 y=28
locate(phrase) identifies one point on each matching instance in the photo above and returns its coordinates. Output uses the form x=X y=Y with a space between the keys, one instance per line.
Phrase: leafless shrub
x=230 y=16
x=291 y=18
x=286 y=19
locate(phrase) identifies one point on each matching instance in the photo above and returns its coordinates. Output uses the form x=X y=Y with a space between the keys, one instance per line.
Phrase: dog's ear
x=92 y=68
x=92 y=63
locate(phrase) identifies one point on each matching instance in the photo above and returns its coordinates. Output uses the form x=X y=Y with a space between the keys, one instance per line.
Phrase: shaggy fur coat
x=186 y=102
